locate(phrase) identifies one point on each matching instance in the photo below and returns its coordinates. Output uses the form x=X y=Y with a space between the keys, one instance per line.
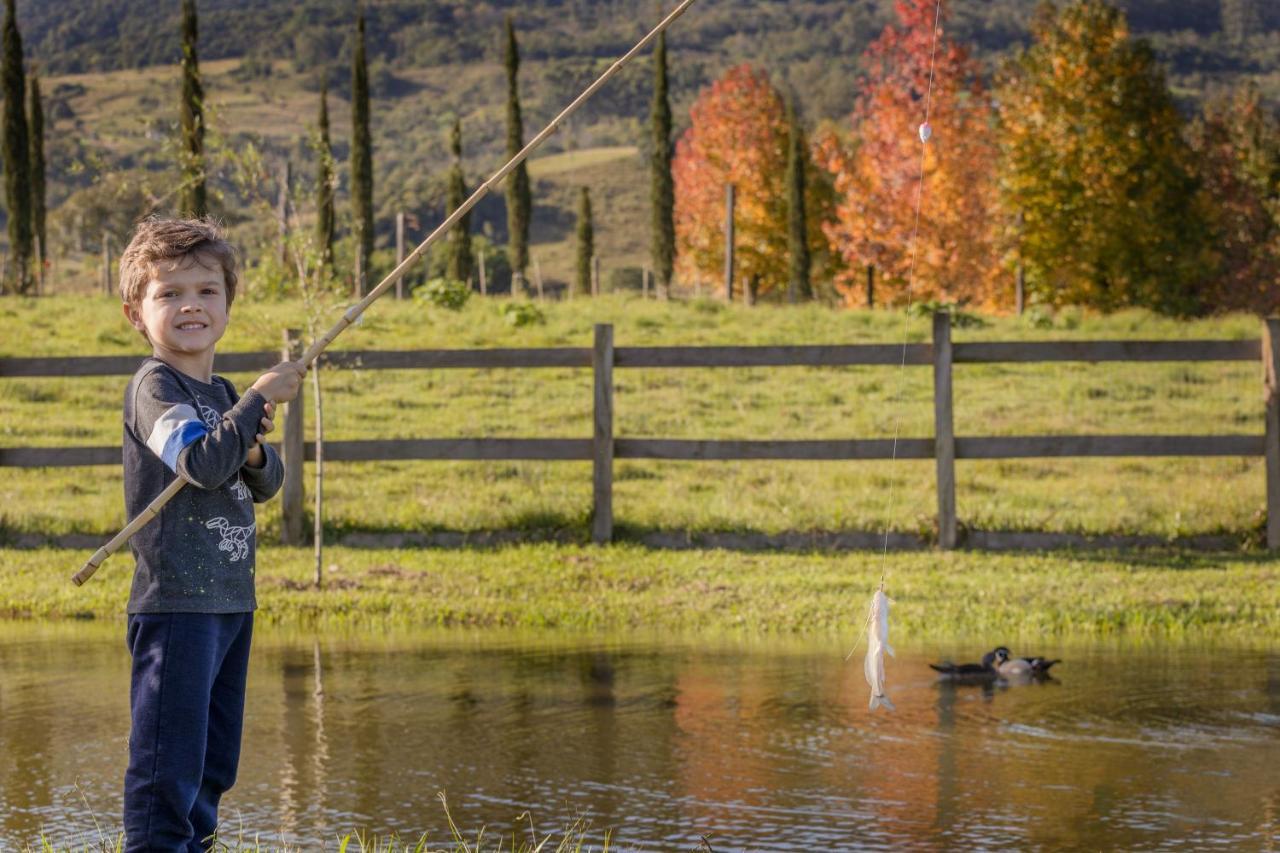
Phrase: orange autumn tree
x=876 y=172
x=737 y=135
x=1237 y=143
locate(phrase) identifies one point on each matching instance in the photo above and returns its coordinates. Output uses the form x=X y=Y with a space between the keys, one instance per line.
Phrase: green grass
x=572 y=585
x=1161 y=497
x=630 y=589
x=573 y=839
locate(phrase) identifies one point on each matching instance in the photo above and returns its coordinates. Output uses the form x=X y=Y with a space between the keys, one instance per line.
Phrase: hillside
x=113 y=90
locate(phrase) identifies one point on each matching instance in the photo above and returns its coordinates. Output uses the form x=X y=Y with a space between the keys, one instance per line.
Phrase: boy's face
x=184 y=308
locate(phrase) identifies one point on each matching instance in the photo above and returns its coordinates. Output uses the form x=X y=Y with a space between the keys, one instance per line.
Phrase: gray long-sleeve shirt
x=198 y=556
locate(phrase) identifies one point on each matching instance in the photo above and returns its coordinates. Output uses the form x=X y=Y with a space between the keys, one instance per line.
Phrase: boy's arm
x=263 y=469
x=166 y=422
x=264 y=481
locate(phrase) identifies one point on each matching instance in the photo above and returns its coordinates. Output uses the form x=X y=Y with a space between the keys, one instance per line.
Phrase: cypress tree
x=1241 y=19
x=194 y=198
x=458 y=267
x=662 y=194
x=797 y=221
x=38 y=191
x=361 y=146
x=324 y=183
x=16 y=152
x=586 y=245
x=519 y=198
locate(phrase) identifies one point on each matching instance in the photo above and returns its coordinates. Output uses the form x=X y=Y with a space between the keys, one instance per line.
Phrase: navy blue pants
x=186 y=700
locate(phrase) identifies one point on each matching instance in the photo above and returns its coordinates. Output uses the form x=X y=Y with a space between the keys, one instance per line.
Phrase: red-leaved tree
x=876 y=171
x=737 y=135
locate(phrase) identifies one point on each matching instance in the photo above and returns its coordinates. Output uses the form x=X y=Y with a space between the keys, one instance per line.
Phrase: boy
x=191 y=607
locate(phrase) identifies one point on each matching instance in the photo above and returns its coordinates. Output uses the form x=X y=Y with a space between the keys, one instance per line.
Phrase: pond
x=757 y=745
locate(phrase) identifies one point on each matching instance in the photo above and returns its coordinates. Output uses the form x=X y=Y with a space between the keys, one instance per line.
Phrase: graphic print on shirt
x=211 y=417
x=240 y=491
x=173 y=431
x=234 y=539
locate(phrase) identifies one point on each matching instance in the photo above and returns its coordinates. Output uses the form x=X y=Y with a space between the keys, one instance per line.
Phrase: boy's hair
x=156 y=240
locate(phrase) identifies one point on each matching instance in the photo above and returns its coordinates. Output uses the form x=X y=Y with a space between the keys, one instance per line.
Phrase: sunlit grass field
x=1163 y=497
x=629 y=588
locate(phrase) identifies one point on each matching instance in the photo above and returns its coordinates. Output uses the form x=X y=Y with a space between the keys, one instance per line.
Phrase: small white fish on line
x=877 y=645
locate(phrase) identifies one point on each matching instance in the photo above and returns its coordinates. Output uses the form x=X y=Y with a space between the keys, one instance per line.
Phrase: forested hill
x=812 y=45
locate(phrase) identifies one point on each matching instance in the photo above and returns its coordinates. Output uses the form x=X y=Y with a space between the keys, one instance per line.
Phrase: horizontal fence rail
x=569 y=449
x=850 y=355
x=604 y=446
x=1100 y=351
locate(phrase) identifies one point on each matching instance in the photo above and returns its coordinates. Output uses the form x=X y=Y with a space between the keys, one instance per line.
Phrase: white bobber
x=925 y=132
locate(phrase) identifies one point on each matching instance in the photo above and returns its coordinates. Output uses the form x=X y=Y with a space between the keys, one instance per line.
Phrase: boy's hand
x=267 y=424
x=257 y=458
x=280 y=384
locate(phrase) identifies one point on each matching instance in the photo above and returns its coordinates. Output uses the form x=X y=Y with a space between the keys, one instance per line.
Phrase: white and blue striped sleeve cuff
x=179 y=426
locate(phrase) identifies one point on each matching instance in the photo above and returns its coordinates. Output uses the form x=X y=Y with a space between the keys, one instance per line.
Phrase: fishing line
x=878 y=633
x=925 y=133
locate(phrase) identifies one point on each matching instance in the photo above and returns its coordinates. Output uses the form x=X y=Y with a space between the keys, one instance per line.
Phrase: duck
x=985 y=671
x=1027 y=667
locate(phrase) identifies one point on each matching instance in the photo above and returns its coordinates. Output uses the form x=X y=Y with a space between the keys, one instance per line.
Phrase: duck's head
x=1001 y=654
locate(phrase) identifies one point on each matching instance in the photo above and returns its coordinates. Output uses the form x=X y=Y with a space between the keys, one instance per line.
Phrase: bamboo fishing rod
x=353 y=313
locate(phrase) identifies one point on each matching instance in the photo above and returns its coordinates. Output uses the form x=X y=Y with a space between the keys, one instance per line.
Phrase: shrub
x=519 y=314
x=444 y=293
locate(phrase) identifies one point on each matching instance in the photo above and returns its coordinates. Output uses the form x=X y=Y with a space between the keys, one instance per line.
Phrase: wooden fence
x=603 y=447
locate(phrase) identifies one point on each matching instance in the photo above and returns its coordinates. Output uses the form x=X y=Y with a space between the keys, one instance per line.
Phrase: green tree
x=1093 y=156
x=17 y=164
x=1241 y=18
x=325 y=184
x=39 y=193
x=586 y=245
x=797 y=221
x=458 y=267
x=193 y=199
x=662 y=193
x=361 y=147
x=519 y=196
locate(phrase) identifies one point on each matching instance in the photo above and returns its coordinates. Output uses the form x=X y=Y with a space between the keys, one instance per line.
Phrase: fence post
x=602 y=437
x=292 y=497
x=1271 y=368
x=400 y=252
x=943 y=430
x=728 y=242
x=484 y=283
x=359 y=284
x=106 y=263
x=282 y=210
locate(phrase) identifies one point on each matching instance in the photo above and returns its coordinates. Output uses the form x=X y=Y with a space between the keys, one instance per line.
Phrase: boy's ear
x=133 y=316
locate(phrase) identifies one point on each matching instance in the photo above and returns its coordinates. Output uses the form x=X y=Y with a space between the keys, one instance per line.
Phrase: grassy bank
x=623 y=588
x=577 y=838
x=1162 y=497
x=574 y=586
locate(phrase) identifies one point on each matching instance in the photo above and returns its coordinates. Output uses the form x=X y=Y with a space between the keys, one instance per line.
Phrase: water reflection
x=760 y=748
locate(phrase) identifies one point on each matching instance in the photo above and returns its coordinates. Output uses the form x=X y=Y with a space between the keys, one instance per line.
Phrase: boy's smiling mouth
x=191 y=325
